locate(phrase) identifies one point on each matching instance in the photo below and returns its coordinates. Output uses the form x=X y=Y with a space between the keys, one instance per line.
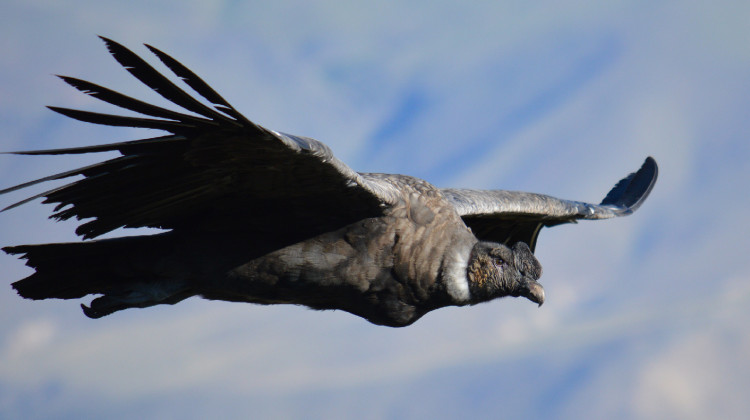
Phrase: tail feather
x=63 y=270
x=124 y=270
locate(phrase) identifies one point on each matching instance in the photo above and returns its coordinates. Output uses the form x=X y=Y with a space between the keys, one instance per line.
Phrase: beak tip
x=536 y=294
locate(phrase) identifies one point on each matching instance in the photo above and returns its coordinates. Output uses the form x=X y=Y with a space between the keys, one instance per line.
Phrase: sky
x=645 y=316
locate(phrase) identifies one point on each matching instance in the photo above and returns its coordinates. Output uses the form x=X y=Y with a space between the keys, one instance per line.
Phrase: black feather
x=121 y=121
x=61 y=175
x=124 y=101
x=198 y=85
x=632 y=190
x=125 y=147
x=156 y=81
x=190 y=78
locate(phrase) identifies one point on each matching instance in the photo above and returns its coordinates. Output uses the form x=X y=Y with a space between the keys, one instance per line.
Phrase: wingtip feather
x=108 y=42
x=628 y=194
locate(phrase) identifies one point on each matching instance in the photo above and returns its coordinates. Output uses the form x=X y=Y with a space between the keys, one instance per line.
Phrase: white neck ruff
x=456 y=280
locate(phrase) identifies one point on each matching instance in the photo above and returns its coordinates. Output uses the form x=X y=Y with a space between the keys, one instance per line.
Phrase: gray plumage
x=253 y=215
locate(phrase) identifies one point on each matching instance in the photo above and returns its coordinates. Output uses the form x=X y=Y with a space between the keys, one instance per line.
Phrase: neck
x=482 y=285
x=455 y=274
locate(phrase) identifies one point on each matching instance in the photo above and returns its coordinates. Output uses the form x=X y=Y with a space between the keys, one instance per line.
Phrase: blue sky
x=645 y=316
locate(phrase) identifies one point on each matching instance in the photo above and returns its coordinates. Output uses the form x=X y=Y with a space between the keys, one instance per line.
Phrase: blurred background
x=646 y=316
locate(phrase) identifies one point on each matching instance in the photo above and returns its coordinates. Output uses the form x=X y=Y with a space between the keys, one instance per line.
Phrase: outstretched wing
x=215 y=170
x=511 y=216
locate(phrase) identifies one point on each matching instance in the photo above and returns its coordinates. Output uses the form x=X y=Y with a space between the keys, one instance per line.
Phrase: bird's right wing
x=513 y=216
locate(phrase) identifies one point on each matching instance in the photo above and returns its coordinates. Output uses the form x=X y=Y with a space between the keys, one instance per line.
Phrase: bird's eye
x=499 y=262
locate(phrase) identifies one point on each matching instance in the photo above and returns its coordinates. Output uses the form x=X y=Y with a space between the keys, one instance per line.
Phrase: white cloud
x=28 y=339
x=702 y=374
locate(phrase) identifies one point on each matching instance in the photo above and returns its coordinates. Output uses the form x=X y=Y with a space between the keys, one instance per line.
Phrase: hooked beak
x=533 y=291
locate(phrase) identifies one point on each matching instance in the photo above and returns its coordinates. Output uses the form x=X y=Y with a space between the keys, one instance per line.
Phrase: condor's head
x=496 y=270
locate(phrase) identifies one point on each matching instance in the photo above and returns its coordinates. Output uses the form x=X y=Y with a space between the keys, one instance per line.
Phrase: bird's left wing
x=512 y=216
x=215 y=170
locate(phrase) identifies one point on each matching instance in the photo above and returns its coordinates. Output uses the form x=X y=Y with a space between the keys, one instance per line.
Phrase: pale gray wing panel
x=504 y=204
x=514 y=216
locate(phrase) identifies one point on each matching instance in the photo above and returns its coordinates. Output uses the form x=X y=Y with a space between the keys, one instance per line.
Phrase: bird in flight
x=255 y=215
